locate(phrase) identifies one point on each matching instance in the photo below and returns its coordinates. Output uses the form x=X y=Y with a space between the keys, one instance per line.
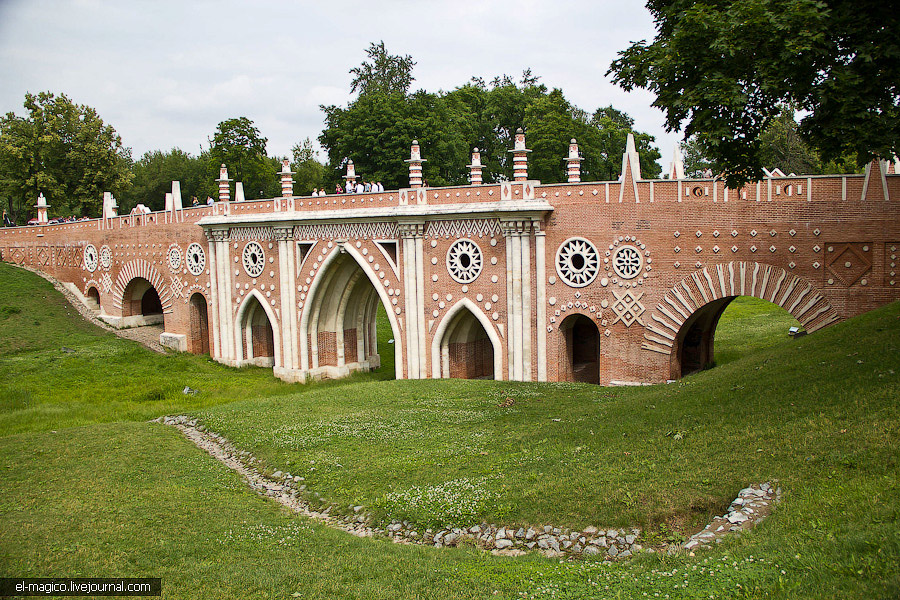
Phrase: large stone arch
x=697 y=301
x=240 y=326
x=437 y=341
x=333 y=273
x=144 y=270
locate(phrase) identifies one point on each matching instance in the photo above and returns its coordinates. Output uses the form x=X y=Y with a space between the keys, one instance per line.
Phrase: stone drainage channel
x=751 y=506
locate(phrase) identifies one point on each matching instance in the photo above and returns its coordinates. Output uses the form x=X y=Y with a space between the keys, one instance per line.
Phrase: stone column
x=573 y=161
x=223 y=181
x=415 y=165
x=288 y=299
x=520 y=157
x=411 y=237
x=540 y=277
x=475 y=168
x=518 y=294
x=213 y=266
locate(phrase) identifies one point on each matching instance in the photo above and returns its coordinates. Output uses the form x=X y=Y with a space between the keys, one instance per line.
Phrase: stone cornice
x=507 y=210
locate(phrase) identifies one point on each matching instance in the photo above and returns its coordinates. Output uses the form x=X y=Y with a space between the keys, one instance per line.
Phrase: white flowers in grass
x=455 y=503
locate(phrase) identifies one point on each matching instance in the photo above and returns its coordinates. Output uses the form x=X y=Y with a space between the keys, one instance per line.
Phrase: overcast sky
x=164 y=73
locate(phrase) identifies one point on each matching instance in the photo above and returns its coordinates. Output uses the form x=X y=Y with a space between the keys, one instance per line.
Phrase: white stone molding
x=174 y=257
x=457 y=228
x=254 y=259
x=91 y=258
x=240 y=353
x=464 y=261
x=347 y=231
x=195 y=259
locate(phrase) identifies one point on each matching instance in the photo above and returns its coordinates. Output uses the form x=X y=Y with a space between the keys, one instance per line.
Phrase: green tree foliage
x=376 y=129
x=238 y=145
x=154 y=173
x=722 y=68
x=780 y=146
x=63 y=150
x=309 y=173
x=385 y=74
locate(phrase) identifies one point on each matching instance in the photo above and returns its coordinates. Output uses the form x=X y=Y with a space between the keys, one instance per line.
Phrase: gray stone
x=629 y=539
x=475 y=529
x=450 y=538
x=520 y=533
x=556 y=531
x=566 y=544
x=625 y=554
x=543 y=543
x=582 y=540
x=611 y=533
x=590 y=530
x=531 y=545
x=591 y=551
x=637 y=548
x=577 y=548
x=613 y=551
x=501 y=533
x=737 y=517
x=547 y=528
x=503 y=543
x=529 y=535
x=276 y=474
x=554 y=544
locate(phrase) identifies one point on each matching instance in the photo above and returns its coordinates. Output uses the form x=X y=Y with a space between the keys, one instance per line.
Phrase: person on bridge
x=6 y=220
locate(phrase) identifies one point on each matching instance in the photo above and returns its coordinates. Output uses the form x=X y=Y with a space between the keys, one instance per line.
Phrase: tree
x=375 y=131
x=238 y=145
x=385 y=74
x=309 y=172
x=154 y=173
x=63 y=150
x=722 y=68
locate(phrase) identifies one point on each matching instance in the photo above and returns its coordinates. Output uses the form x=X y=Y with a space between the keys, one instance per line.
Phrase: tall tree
x=722 y=68
x=238 y=145
x=383 y=74
x=63 y=150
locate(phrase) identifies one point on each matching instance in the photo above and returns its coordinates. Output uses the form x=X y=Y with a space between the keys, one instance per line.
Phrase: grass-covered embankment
x=89 y=488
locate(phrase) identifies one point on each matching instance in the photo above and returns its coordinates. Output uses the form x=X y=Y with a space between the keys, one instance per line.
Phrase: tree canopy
x=721 y=69
x=375 y=130
x=63 y=150
x=238 y=145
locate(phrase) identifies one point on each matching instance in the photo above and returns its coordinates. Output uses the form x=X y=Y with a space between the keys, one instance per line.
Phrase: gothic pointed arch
x=452 y=324
x=252 y=337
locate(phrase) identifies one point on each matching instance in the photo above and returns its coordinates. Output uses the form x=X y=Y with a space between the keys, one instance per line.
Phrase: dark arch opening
x=199 y=340
x=93 y=299
x=141 y=304
x=466 y=350
x=257 y=335
x=748 y=323
x=581 y=348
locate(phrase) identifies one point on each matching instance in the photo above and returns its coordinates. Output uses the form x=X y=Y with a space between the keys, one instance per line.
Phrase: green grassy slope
x=88 y=488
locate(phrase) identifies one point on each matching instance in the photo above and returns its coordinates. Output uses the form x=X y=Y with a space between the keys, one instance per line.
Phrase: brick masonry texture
x=483 y=280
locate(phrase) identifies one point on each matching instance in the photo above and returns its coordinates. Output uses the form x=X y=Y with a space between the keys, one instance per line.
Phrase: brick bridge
x=605 y=282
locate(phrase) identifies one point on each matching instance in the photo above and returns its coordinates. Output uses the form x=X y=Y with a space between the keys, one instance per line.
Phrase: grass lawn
x=90 y=488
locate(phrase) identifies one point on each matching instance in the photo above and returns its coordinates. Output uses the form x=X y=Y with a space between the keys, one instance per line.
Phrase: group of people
x=361 y=187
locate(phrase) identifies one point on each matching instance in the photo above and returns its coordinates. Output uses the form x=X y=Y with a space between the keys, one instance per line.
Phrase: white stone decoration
x=464 y=261
x=368 y=230
x=105 y=257
x=254 y=258
x=577 y=262
x=627 y=262
x=91 y=258
x=195 y=259
x=174 y=257
x=463 y=227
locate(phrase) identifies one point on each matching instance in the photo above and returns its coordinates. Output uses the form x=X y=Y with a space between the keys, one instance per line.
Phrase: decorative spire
x=676 y=169
x=42 y=207
x=475 y=168
x=573 y=162
x=224 y=188
x=287 y=179
x=350 y=177
x=520 y=157
x=415 y=165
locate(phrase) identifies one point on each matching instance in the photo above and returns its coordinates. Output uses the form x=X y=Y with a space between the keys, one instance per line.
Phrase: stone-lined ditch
x=752 y=505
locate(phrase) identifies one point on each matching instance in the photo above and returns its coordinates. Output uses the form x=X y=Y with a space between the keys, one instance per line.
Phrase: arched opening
x=141 y=304
x=342 y=320
x=93 y=299
x=257 y=336
x=466 y=350
x=580 y=360
x=727 y=329
x=199 y=339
